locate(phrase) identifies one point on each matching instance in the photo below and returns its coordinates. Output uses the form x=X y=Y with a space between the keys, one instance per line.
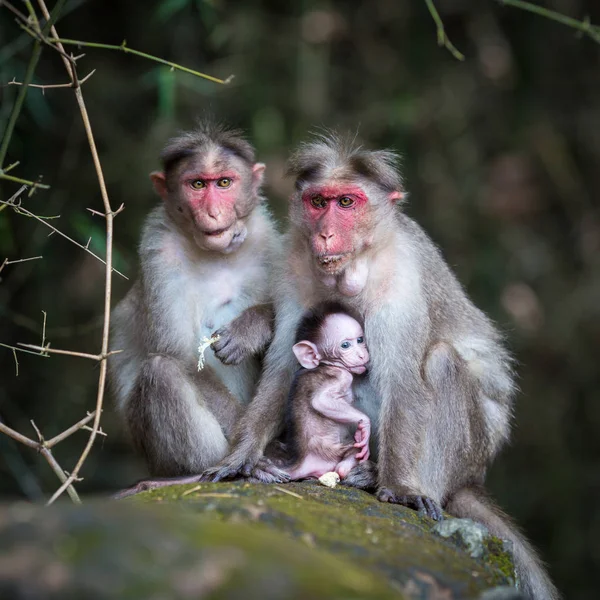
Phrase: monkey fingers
x=422 y=504
x=267 y=472
x=364 y=453
x=264 y=471
x=228 y=349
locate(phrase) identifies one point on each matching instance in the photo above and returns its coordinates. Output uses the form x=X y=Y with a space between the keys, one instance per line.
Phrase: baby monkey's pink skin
x=321 y=404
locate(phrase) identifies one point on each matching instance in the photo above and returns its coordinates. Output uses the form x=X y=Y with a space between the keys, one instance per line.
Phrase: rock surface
x=238 y=540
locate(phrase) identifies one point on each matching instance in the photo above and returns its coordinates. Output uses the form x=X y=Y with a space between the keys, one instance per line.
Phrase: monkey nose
x=326 y=236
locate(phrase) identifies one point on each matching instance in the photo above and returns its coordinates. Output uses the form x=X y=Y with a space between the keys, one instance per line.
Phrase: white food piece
x=204 y=344
x=330 y=479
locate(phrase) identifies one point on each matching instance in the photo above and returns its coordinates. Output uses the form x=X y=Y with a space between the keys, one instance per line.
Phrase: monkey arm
x=264 y=416
x=337 y=409
x=247 y=335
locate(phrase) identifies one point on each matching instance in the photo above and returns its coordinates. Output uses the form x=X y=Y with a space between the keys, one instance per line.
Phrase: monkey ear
x=397 y=196
x=307 y=354
x=258 y=173
x=159 y=181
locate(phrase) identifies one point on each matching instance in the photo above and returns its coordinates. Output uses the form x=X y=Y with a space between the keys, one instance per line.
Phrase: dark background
x=501 y=160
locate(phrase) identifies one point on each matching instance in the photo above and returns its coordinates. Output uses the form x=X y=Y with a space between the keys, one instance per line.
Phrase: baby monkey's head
x=329 y=334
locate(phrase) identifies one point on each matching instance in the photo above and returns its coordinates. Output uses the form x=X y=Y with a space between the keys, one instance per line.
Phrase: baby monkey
x=330 y=346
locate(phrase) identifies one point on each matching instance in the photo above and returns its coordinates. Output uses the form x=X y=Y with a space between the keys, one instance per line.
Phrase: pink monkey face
x=337 y=216
x=212 y=198
x=343 y=343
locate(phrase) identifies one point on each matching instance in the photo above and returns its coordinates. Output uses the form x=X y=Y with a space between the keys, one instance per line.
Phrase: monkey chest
x=216 y=301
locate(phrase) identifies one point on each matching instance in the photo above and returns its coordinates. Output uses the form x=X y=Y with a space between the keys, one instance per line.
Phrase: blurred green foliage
x=501 y=157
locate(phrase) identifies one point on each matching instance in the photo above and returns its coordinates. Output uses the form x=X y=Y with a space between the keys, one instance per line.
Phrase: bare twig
x=44 y=449
x=14 y=262
x=70 y=431
x=16 y=362
x=124 y=48
x=45 y=350
x=54 y=86
x=31 y=184
x=33 y=61
x=44 y=329
x=442 y=38
x=585 y=27
x=15 y=349
x=108 y=272
x=288 y=492
x=18 y=208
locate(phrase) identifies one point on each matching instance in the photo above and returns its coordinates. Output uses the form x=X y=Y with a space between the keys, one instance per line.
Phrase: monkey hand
x=230 y=349
x=361 y=437
x=261 y=471
x=423 y=504
x=245 y=336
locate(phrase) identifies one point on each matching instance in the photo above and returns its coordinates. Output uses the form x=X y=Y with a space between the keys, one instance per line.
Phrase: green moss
x=498 y=557
x=387 y=539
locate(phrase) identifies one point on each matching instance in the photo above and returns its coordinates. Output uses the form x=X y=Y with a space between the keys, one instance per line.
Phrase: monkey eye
x=224 y=182
x=345 y=345
x=345 y=201
x=360 y=340
x=197 y=184
x=318 y=201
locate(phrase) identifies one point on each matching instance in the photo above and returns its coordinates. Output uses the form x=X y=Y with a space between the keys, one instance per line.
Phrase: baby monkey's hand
x=361 y=437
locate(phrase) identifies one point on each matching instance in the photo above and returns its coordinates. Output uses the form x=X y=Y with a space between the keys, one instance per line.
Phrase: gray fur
x=441 y=386
x=178 y=418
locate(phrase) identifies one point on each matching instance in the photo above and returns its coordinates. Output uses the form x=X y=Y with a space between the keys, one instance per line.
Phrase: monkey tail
x=534 y=581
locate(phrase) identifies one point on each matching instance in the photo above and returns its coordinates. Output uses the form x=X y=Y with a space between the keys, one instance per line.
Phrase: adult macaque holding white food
x=205 y=256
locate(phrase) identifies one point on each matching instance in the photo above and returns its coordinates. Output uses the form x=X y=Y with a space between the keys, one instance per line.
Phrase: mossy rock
x=237 y=540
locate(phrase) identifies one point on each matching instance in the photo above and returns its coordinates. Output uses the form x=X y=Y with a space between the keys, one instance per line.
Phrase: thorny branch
x=109 y=217
x=45 y=448
x=17 y=207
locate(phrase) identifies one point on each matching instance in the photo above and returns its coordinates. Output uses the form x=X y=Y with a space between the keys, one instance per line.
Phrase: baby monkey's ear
x=307 y=354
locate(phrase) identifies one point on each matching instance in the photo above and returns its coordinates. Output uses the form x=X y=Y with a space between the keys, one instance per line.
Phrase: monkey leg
x=441 y=434
x=170 y=422
x=456 y=448
x=451 y=453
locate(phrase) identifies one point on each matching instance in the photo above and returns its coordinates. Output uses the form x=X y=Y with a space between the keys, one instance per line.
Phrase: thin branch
x=46 y=350
x=15 y=349
x=18 y=208
x=124 y=48
x=44 y=329
x=45 y=452
x=27 y=79
x=19 y=437
x=108 y=272
x=585 y=27
x=32 y=184
x=16 y=362
x=13 y=262
x=70 y=431
x=54 y=86
x=60 y=473
x=442 y=38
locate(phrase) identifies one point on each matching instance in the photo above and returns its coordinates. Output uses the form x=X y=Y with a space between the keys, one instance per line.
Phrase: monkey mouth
x=331 y=263
x=216 y=232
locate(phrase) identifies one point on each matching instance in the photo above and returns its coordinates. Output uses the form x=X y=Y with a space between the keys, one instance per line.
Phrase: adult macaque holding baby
x=330 y=346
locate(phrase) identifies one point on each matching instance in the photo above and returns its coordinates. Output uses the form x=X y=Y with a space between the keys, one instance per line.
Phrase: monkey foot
x=263 y=471
x=423 y=504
